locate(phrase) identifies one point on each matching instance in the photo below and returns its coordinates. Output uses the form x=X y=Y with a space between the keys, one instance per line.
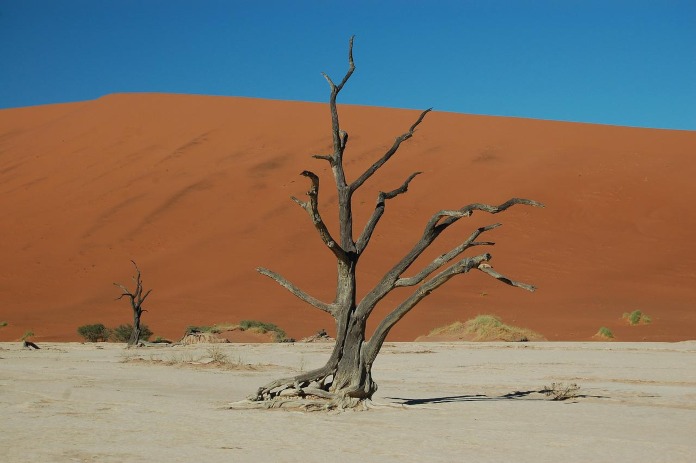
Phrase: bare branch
x=394 y=148
x=479 y=262
x=463 y=266
x=302 y=204
x=328 y=79
x=125 y=290
x=370 y=226
x=325 y=157
x=312 y=208
x=351 y=64
x=433 y=229
x=403 y=188
x=467 y=211
x=338 y=138
x=145 y=296
x=445 y=258
x=296 y=291
x=485 y=268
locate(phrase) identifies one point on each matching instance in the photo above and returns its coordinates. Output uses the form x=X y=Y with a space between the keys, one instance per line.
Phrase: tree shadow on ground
x=516 y=395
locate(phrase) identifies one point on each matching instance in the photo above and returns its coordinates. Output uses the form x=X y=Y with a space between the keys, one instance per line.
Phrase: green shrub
x=3 y=324
x=201 y=329
x=263 y=327
x=605 y=332
x=637 y=317
x=161 y=340
x=122 y=333
x=94 y=333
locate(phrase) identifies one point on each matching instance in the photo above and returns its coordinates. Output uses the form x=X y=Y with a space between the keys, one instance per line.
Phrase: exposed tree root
x=310 y=391
x=307 y=403
x=314 y=404
x=315 y=384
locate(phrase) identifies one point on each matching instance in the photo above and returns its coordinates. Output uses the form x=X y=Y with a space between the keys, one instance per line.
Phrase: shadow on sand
x=517 y=395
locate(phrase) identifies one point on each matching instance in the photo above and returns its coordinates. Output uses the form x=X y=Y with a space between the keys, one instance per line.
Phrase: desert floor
x=72 y=402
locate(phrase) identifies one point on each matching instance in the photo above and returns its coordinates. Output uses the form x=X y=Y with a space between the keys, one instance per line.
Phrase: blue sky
x=609 y=61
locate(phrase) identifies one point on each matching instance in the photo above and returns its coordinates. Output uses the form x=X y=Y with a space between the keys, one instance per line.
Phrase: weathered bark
x=346 y=379
x=136 y=299
x=135 y=334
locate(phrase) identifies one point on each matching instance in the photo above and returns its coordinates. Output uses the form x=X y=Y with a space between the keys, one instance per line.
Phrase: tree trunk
x=135 y=334
x=346 y=379
x=353 y=376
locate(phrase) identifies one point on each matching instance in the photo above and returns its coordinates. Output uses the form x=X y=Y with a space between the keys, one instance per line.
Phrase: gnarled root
x=298 y=386
x=309 y=392
x=306 y=403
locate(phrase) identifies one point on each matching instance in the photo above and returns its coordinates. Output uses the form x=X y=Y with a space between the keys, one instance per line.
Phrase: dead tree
x=136 y=300
x=346 y=379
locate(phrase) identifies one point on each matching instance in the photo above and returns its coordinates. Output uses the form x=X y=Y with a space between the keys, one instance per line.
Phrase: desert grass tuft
x=637 y=318
x=604 y=332
x=489 y=328
x=218 y=356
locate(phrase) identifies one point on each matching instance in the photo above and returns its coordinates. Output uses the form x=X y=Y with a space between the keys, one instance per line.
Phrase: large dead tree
x=346 y=379
x=136 y=299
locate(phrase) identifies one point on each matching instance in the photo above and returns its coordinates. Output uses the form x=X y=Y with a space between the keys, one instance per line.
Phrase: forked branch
x=371 y=224
x=390 y=152
x=435 y=226
x=447 y=257
x=467 y=211
x=339 y=138
x=312 y=208
x=136 y=297
x=351 y=69
x=479 y=262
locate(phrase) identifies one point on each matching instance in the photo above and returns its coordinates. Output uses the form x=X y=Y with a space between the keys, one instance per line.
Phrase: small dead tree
x=136 y=300
x=346 y=379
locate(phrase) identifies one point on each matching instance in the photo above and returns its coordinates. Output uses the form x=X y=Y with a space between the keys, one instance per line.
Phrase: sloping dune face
x=196 y=190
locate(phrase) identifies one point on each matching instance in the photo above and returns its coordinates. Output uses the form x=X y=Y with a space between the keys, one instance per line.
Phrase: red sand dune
x=196 y=190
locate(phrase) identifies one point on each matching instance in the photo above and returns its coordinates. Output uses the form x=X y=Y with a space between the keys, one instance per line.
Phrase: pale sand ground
x=89 y=403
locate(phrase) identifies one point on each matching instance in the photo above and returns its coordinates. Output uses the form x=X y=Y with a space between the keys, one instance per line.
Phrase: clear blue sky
x=604 y=61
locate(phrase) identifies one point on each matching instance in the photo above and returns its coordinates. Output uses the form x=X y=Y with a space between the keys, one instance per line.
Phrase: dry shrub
x=201 y=337
x=218 y=356
x=319 y=336
x=488 y=328
x=561 y=391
